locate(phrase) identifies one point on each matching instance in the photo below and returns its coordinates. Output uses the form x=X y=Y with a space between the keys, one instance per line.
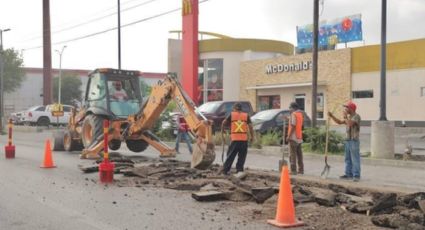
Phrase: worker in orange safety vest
x=240 y=123
x=295 y=139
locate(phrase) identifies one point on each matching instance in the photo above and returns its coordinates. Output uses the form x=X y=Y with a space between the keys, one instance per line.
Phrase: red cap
x=351 y=106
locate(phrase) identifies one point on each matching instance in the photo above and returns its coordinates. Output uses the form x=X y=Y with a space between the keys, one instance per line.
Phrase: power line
x=113 y=28
x=92 y=20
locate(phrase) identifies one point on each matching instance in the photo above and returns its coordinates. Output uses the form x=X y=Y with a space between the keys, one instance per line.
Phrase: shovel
x=327 y=168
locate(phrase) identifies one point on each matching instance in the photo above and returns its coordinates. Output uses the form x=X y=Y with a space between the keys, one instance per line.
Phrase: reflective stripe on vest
x=239 y=126
x=298 y=125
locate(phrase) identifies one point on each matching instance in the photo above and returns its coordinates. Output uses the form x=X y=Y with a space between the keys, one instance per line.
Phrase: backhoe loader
x=116 y=95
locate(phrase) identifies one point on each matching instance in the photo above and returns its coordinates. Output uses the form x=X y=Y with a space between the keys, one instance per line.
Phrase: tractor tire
x=92 y=128
x=43 y=121
x=136 y=146
x=70 y=144
x=114 y=144
x=58 y=141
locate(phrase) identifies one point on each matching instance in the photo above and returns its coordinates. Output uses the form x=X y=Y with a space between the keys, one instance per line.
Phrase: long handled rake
x=327 y=168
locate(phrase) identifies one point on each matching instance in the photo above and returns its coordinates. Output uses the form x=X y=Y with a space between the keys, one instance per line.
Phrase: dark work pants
x=239 y=148
x=296 y=156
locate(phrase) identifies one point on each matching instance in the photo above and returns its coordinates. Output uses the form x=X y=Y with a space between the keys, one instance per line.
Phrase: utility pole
x=1 y=79
x=383 y=104
x=47 y=55
x=315 y=63
x=60 y=73
x=119 y=34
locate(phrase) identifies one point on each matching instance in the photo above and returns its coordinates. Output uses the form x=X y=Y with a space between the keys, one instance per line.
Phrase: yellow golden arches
x=187 y=7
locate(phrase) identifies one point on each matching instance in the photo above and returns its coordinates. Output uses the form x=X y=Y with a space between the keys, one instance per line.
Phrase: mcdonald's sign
x=187 y=7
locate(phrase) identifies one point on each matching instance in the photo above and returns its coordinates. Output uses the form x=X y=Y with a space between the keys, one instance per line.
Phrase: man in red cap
x=352 y=145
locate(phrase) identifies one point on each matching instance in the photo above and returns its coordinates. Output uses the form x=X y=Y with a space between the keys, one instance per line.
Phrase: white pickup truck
x=41 y=115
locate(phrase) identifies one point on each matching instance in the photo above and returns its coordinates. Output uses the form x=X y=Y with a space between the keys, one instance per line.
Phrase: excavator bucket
x=203 y=155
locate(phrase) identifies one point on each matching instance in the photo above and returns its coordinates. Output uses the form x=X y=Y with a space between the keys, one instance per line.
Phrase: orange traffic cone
x=285 y=213
x=48 y=160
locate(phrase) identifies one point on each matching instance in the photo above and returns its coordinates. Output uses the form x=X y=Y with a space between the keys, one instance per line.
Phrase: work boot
x=345 y=177
x=356 y=179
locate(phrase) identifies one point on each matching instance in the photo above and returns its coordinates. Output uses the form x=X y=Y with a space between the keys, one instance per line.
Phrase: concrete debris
x=262 y=194
x=390 y=221
x=412 y=200
x=209 y=196
x=387 y=201
x=259 y=186
x=421 y=204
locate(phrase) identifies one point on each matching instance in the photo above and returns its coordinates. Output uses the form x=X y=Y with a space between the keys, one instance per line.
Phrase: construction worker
x=183 y=131
x=352 y=145
x=239 y=123
x=117 y=92
x=295 y=139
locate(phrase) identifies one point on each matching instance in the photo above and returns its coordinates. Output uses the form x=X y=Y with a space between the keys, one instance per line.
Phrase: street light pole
x=60 y=73
x=119 y=34
x=1 y=79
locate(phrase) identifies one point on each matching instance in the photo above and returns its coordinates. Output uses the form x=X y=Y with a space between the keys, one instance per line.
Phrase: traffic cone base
x=285 y=211
x=48 y=159
x=9 y=151
x=283 y=225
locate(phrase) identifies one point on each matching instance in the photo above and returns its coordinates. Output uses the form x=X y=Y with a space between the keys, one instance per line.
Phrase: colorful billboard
x=331 y=32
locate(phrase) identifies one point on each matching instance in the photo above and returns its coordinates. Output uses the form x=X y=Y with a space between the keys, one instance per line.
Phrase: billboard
x=331 y=32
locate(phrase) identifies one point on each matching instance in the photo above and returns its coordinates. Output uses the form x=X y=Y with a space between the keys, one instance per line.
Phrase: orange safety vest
x=239 y=126
x=298 y=126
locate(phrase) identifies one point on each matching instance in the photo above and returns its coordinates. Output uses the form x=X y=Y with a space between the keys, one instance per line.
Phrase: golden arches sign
x=187 y=7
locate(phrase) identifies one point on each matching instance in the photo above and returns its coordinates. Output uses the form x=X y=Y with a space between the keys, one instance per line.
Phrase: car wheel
x=43 y=121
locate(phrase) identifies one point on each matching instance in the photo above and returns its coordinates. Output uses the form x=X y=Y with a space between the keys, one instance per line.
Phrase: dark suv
x=217 y=111
x=272 y=120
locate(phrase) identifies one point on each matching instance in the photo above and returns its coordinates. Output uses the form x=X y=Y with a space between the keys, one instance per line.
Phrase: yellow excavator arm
x=162 y=93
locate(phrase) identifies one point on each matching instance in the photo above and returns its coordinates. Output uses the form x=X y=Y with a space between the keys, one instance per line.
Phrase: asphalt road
x=65 y=198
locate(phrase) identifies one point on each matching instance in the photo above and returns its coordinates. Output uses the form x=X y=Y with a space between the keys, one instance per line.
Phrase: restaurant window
x=210 y=80
x=363 y=94
x=268 y=102
x=320 y=105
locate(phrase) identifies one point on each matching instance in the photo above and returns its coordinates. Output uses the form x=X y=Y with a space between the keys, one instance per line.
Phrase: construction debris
x=386 y=209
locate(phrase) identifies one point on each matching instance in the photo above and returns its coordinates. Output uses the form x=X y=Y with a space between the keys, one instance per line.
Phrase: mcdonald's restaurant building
x=343 y=75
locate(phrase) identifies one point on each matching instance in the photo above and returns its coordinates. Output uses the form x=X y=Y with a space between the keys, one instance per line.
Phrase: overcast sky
x=144 y=45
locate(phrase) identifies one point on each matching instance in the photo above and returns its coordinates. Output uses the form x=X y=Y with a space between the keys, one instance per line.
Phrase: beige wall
x=334 y=77
x=404 y=101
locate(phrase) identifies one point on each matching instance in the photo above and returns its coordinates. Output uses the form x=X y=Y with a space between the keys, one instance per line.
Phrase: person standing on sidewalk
x=239 y=122
x=352 y=144
x=182 y=131
x=295 y=138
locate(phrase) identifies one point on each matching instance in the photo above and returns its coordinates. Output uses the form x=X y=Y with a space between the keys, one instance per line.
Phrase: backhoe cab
x=116 y=95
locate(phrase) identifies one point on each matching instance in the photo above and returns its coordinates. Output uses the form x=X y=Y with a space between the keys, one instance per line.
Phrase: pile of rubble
x=385 y=209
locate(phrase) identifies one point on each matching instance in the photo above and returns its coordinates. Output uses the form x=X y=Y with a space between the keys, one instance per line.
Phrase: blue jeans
x=186 y=138
x=352 y=158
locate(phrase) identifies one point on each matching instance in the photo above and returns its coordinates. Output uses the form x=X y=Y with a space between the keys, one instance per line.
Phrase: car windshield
x=265 y=115
x=209 y=107
x=33 y=108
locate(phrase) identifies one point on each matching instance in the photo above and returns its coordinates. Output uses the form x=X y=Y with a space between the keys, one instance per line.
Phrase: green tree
x=70 y=88
x=13 y=70
x=146 y=89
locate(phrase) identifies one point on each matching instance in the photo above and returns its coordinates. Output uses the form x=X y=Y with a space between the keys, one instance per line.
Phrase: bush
x=218 y=140
x=315 y=139
x=270 y=138
x=257 y=141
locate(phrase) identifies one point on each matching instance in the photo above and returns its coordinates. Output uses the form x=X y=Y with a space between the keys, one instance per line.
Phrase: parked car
x=42 y=115
x=272 y=120
x=217 y=111
x=17 y=117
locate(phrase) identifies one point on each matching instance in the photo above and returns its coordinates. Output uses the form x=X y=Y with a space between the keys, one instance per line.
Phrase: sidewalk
x=408 y=176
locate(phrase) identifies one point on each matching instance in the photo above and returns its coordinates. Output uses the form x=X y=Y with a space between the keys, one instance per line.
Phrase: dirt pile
x=330 y=206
